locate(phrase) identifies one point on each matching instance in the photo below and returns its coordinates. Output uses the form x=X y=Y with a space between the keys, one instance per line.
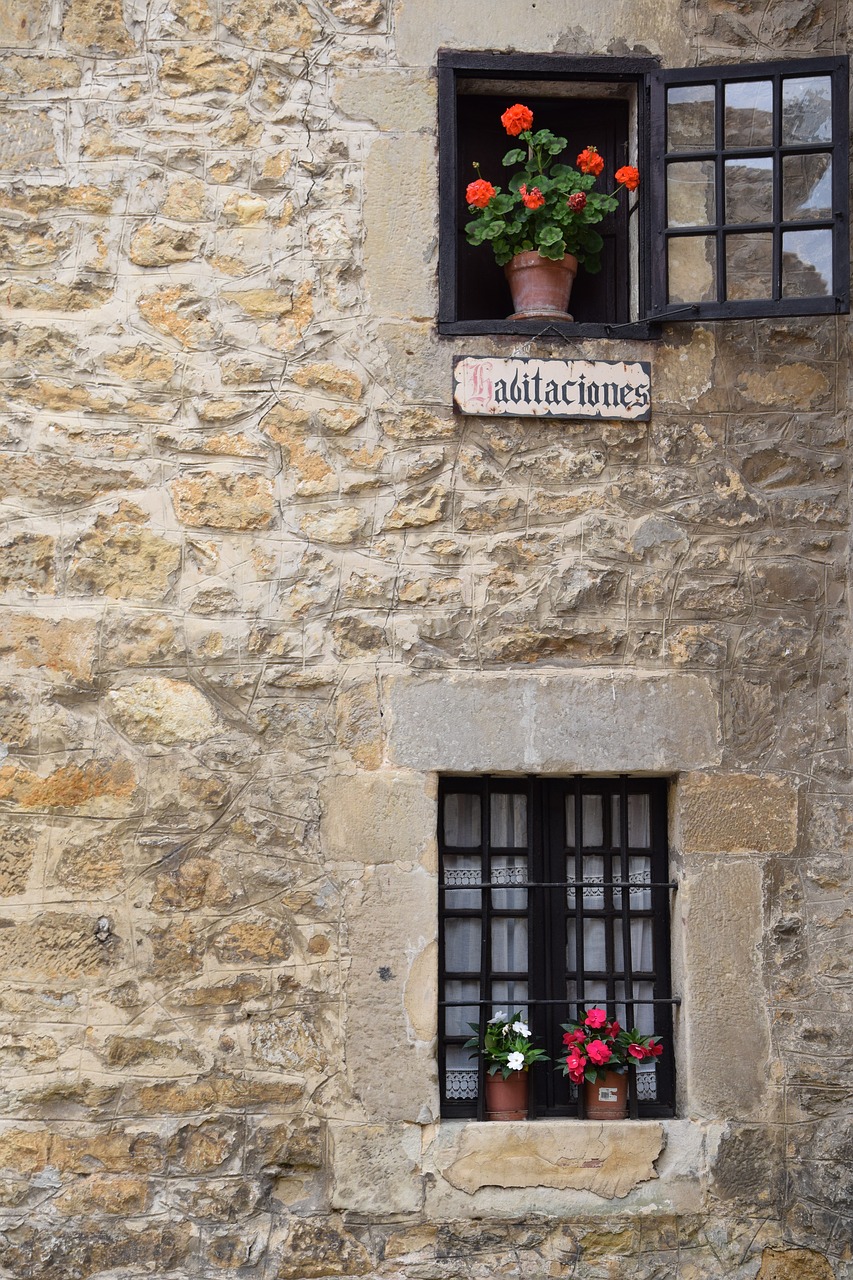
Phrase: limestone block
x=221 y=500
x=64 y=648
x=391 y=917
x=383 y=816
x=22 y=22
x=736 y=813
x=201 y=69
x=794 y=1264
x=29 y=75
x=26 y=140
x=401 y=200
x=376 y=1168
x=608 y=1159
x=395 y=101
x=317 y=1247
x=418 y=510
x=556 y=721
x=330 y=378
x=721 y=905
x=27 y=560
x=178 y=312
x=45 y=295
x=338 y=525
x=361 y=13
x=96 y=26
x=160 y=710
x=159 y=245
x=279 y=25
x=119 y=558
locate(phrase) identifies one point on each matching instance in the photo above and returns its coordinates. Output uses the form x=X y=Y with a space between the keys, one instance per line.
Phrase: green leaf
x=516 y=156
x=549 y=235
x=494 y=230
x=554 y=252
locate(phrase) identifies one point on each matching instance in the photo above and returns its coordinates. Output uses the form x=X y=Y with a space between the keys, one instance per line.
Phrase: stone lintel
x=553 y=722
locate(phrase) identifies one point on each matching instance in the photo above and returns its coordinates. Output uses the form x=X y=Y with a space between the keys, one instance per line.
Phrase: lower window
x=554 y=897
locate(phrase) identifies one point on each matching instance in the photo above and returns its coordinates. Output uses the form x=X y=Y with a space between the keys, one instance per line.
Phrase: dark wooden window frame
x=660 y=81
x=548 y=914
x=650 y=82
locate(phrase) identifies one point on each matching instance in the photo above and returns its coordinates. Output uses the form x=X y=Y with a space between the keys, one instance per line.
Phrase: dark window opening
x=554 y=894
x=742 y=209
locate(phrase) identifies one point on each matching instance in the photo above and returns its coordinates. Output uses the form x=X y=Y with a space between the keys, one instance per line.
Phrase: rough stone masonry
x=246 y=549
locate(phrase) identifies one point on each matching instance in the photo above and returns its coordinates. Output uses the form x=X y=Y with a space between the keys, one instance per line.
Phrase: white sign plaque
x=524 y=387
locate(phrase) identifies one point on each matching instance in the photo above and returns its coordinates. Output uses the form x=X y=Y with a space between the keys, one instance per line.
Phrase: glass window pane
x=462 y=946
x=461 y=869
x=690 y=194
x=462 y=820
x=508 y=813
x=594 y=945
x=749 y=266
x=806 y=109
x=639 y=836
x=749 y=190
x=460 y=1080
x=457 y=1019
x=641 y=946
x=570 y=821
x=692 y=269
x=749 y=113
x=593 y=875
x=807 y=187
x=593 y=821
x=509 y=869
x=509 y=944
x=690 y=117
x=510 y=996
x=639 y=872
x=806 y=264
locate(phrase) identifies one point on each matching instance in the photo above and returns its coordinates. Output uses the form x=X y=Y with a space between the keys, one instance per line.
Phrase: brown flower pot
x=540 y=287
x=607 y=1098
x=506 y=1099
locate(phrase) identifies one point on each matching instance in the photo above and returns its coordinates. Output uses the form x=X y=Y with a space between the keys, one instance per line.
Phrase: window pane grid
x=775 y=242
x=633 y=984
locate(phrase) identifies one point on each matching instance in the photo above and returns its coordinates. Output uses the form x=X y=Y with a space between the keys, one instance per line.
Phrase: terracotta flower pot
x=540 y=287
x=607 y=1098
x=506 y=1099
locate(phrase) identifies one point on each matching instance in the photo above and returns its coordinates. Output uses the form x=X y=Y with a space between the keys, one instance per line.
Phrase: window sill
x=638 y=330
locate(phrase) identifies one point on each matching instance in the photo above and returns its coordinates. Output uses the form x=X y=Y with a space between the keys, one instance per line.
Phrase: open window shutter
x=748 y=190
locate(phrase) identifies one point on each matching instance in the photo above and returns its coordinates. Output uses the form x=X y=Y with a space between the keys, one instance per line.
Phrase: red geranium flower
x=577 y=202
x=595 y=1018
x=516 y=119
x=589 y=161
x=479 y=193
x=533 y=198
x=628 y=177
x=598 y=1052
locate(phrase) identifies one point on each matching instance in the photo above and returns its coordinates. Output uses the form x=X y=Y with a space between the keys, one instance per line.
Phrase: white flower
x=522 y=1029
x=515 y=1061
x=499 y=1017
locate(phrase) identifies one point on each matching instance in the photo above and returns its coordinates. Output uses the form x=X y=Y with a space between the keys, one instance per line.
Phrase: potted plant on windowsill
x=544 y=226
x=599 y=1056
x=508 y=1053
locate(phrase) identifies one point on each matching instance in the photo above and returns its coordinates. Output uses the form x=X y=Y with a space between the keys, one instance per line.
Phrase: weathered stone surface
x=279 y=25
x=159 y=245
x=394 y=248
x=559 y=721
x=160 y=710
x=122 y=559
x=794 y=1264
x=65 y=648
x=376 y=1168
x=96 y=26
x=28 y=561
x=28 y=142
x=394 y=101
x=721 y=970
x=607 y=1159
x=220 y=501
x=737 y=813
x=370 y=817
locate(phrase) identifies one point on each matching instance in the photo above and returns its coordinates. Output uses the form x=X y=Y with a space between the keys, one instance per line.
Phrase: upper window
x=554 y=894
x=742 y=206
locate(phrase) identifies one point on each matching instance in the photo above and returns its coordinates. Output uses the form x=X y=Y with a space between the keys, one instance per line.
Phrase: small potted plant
x=598 y=1055
x=508 y=1053
x=544 y=226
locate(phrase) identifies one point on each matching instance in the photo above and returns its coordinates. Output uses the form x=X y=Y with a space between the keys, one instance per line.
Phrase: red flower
x=628 y=177
x=655 y=1050
x=575 y=1063
x=533 y=198
x=598 y=1052
x=595 y=1018
x=637 y=1051
x=589 y=161
x=517 y=119
x=577 y=202
x=574 y=1037
x=479 y=193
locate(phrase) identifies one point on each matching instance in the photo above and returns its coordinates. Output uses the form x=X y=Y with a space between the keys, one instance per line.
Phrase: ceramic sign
x=524 y=387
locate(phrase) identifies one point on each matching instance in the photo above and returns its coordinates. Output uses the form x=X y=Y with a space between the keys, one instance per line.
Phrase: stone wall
x=248 y=557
